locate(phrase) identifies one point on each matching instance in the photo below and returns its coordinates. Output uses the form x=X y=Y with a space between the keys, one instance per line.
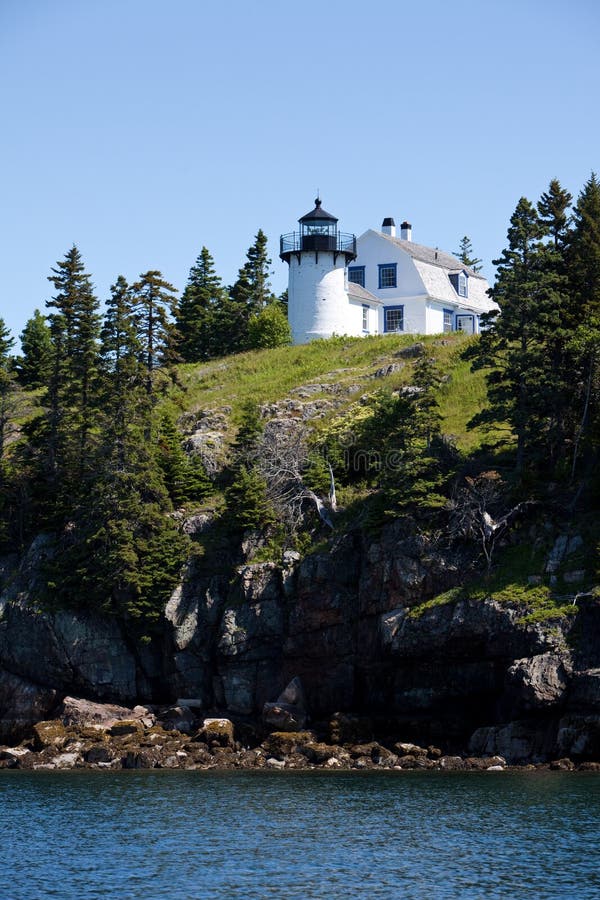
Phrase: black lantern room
x=318 y=233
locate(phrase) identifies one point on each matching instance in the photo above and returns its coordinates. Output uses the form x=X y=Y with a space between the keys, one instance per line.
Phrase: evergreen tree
x=153 y=306
x=515 y=345
x=6 y=344
x=465 y=254
x=248 y=434
x=250 y=294
x=553 y=208
x=72 y=404
x=125 y=407
x=34 y=365
x=253 y=287
x=7 y=390
x=584 y=275
x=184 y=477
x=196 y=319
x=247 y=502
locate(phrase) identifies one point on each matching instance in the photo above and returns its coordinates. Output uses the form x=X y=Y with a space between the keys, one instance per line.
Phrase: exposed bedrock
x=344 y=623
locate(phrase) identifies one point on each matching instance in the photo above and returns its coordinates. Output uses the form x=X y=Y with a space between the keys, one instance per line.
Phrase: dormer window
x=460 y=283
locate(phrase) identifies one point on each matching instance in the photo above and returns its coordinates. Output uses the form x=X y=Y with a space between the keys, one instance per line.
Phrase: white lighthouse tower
x=317 y=256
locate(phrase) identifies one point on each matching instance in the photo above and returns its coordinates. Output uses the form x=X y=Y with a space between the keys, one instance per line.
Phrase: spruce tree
x=514 y=346
x=465 y=254
x=196 y=318
x=6 y=344
x=184 y=477
x=125 y=406
x=553 y=208
x=33 y=366
x=250 y=294
x=71 y=397
x=584 y=274
x=153 y=303
x=7 y=390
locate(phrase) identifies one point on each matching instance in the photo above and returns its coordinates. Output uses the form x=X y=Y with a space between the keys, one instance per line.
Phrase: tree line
x=97 y=464
x=541 y=348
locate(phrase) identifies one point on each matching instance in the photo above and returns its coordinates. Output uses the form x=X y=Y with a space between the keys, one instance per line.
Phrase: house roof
x=358 y=292
x=432 y=256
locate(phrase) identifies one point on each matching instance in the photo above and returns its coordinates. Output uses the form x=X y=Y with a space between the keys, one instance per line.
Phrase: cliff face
x=466 y=671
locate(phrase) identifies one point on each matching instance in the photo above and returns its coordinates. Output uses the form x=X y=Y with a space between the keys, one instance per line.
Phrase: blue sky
x=141 y=130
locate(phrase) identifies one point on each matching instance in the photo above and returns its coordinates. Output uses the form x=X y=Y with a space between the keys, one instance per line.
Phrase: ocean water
x=257 y=835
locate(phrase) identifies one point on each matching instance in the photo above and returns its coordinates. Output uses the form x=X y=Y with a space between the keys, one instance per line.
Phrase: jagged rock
x=197 y=524
x=537 y=682
x=192 y=615
x=288 y=713
x=518 y=742
x=411 y=352
x=390 y=369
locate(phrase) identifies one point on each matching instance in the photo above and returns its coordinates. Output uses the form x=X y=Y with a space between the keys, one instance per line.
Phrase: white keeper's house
x=375 y=284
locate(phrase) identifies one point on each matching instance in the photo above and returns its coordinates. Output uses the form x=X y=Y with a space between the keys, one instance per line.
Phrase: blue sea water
x=258 y=835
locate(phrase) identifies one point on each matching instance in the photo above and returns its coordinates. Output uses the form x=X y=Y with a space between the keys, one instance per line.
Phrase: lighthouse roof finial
x=318 y=213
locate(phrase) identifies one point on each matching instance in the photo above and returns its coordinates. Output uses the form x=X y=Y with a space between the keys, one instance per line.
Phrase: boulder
x=318 y=753
x=285 y=743
x=288 y=712
x=452 y=763
x=87 y=713
x=132 y=726
x=404 y=749
x=49 y=734
x=413 y=351
x=219 y=732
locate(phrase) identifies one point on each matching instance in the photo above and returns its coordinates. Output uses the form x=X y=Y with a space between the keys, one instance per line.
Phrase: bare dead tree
x=282 y=459
x=471 y=518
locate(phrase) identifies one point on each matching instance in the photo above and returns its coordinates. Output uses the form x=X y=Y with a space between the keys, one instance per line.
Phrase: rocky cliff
x=468 y=675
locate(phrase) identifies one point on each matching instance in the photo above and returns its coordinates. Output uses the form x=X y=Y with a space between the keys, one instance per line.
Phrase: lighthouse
x=317 y=256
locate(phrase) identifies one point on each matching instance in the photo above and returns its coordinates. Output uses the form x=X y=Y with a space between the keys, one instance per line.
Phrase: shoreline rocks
x=143 y=742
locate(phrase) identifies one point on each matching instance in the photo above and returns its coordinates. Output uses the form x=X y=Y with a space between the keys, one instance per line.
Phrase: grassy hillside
x=266 y=376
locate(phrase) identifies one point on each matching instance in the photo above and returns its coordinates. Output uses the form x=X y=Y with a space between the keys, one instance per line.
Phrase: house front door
x=466 y=324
